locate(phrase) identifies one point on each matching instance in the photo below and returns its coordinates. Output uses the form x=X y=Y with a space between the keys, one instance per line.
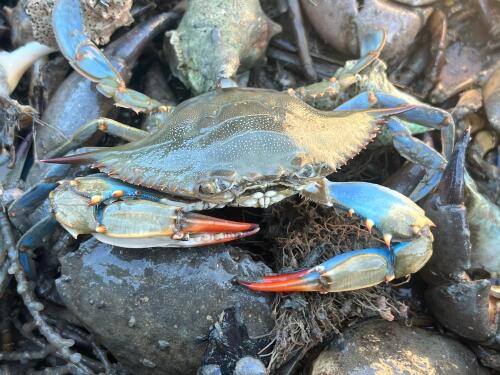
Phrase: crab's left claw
x=397 y=217
x=350 y=271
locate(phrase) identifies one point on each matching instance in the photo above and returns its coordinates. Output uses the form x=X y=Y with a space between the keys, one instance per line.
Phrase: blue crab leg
x=422 y=114
x=38 y=235
x=409 y=147
x=418 y=152
x=22 y=207
x=431 y=117
x=396 y=216
x=88 y=60
x=36 y=195
x=88 y=130
x=371 y=45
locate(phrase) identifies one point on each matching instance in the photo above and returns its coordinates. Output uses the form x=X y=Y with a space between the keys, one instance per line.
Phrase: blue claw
x=350 y=271
x=89 y=61
x=371 y=44
x=395 y=215
x=74 y=44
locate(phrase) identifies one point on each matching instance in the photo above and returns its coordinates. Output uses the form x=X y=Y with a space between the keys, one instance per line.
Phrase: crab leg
x=418 y=152
x=401 y=137
x=396 y=216
x=87 y=131
x=21 y=208
x=421 y=114
x=88 y=60
x=371 y=47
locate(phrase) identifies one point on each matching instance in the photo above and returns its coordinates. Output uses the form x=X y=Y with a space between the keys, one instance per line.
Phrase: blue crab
x=234 y=147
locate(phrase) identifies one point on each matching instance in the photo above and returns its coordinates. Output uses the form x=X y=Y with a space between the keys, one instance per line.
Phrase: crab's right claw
x=94 y=205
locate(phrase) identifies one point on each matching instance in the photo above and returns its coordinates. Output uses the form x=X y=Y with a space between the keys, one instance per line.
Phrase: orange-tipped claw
x=285 y=276
x=303 y=281
x=197 y=223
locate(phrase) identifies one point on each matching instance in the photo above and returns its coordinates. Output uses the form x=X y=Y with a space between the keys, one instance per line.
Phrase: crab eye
x=208 y=187
x=306 y=172
x=215 y=186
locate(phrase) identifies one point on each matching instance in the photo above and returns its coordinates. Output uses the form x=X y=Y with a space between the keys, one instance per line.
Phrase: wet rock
x=341 y=23
x=174 y=296
x=249 y=366
x=378 y=347
x=465 y=308
x=231 y=349
x=460 y=71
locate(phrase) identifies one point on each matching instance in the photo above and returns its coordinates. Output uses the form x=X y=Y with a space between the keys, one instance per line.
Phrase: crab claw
x=349 y=271
x=212 y=230
x=397 y=217
x=137 y=223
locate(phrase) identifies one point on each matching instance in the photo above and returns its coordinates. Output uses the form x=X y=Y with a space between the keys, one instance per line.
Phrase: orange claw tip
x=285 y=276
x=307 y=283
x=197 y=223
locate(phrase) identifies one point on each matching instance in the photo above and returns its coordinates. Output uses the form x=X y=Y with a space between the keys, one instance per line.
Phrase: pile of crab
x=156 y=186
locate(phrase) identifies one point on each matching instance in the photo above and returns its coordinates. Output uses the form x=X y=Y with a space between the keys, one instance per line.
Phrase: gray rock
x=209 y=370
x=379 y=347
x=250 y=366
x=174 y=296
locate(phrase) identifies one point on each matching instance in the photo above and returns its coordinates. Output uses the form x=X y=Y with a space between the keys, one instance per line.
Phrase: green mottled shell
x=220 y=144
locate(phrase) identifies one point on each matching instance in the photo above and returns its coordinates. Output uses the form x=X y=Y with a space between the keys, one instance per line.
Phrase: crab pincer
x=119 y=214
x=394 y=215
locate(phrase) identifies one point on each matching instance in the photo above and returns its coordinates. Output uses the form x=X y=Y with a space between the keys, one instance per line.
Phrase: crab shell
x=216 y=39
x=227 y=145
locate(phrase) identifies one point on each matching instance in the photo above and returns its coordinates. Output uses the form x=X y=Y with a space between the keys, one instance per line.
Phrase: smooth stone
x=250 y=366
x=173 y=294
x=380 y=347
